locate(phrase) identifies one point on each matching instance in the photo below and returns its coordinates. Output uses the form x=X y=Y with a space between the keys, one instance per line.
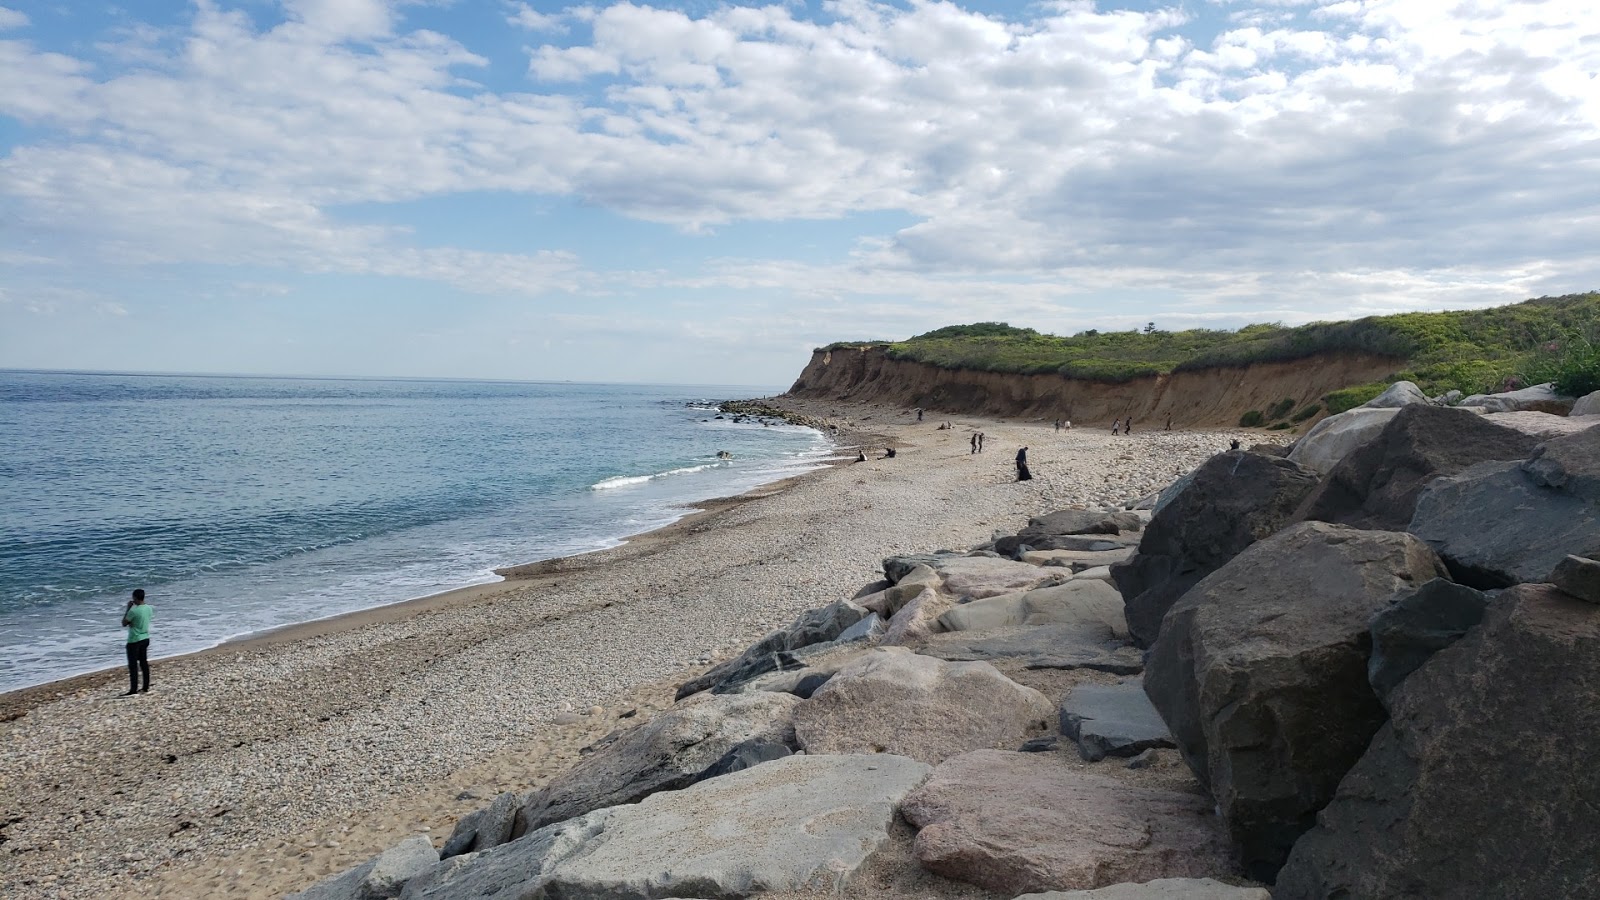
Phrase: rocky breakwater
x=1349 y=720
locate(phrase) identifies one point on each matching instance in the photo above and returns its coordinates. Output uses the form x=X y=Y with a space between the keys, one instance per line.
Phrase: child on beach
x=136 y=618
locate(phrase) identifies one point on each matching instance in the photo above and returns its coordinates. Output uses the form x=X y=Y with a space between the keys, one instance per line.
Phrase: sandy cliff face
x=1207 y=397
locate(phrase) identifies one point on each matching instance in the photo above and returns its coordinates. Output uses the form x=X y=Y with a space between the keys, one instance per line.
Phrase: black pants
x=138 y=662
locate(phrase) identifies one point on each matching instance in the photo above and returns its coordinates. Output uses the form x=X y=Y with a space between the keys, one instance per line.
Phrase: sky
x=702 y=192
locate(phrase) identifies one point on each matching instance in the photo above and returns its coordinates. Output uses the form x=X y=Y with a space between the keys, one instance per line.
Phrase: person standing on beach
x=136 y=618
x=1022 y=465
x=1127 y=427
x=974 y=444
x=980 y=442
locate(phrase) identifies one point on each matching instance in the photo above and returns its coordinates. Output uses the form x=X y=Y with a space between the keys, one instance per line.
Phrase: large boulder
x=667 y=753
x=1542 y=425
x=1418 y=625
x=1538 y=398
x=1334 y=437
x=1587 y=405
x=376 y=879
x=987 y=576
x=1014 y=822
x=1089 y=602
x=1069 y=529
x=766 y=655
x=1230 y=502
x=894 y=701
x=1068 y=646
x=1401 y=393
x=1112 y=720
x=1261 y=673
x=918 y=618
x=1498 y=524
x=1376 y=485
x=1161 y=889
x=787 y=825
x=1481 y=783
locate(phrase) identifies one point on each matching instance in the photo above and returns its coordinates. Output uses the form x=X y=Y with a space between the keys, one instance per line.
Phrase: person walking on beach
x=1127 y=427
x=919 y=414
x=136 y=618
x=974 y=444
x=1022 y=465
x=1116 y=426
x=980 y=442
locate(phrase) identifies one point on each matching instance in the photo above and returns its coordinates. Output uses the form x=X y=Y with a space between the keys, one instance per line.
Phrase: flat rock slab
x=798 y=822
x=1081 y=558
x=1112 y=720
x=1090 y=603
x=1016 y=822
x=1161 y=889
x=1542 y=424
x=895 y=701
x=984 y=576
x=1038 y=646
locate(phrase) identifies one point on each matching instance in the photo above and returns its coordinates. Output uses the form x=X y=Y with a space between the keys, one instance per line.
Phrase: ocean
x=242 y=504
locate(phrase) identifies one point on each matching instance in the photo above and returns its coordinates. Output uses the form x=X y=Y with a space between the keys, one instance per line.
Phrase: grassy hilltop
x=1473 y=351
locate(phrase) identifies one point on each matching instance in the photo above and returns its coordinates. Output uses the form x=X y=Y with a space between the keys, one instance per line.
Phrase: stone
x=669 y=752
x=1481 y=784
x=1077 y=559
x=1081 y=521
x=1376 y=486
x=894 y=701
x=1401 y=393
x=1227 y=504
x=1261 y=673
x=866 y=629
x=1053 y=646
x=1587 y=405
x=892 y=599
x=872 y=587
x=488 y=827
x=377 y=879
x=1579 y=577
x=1505 y=523
x=1112 y=720
x=1418 y=625
x=917 y=619
x=1014 y=822
x=1538 y=398
x=1046 y=744
x=1121 y=661
x=812 y=627
x=1161 y=889
x=978 y=577
x=816 y=661
x=1083 y=542
x=747 y=755
x=1334 y=437
x=1543 y=425
x=1099 y=573
x=1090 y=603
x=897 y=567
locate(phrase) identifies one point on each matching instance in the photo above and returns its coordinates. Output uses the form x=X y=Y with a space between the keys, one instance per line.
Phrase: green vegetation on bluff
x=1547 y=339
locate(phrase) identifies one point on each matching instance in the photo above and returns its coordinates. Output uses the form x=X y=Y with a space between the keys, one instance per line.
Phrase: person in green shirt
x=137 y=620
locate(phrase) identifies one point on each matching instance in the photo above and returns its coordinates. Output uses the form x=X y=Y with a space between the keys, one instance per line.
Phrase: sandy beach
x=256 y=768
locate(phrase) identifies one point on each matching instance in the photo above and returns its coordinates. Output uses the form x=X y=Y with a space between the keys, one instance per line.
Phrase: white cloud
x=11 y=19
x=526 y=17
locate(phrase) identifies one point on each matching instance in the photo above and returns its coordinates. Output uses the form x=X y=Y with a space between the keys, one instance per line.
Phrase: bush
x=1308 y=412
x=1572 y=364
x=1279 y=426
x=1280 y=409
x=1345 y=399
x=1252 y=419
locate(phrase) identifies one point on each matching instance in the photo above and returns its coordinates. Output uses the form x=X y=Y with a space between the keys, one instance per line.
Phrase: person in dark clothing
x=974 y=444
x=861 y=456
x=1127 y=427
x=1022 y=465
x=1233 y=444
x=888 y=453
x=980 y=442
x=136 y=618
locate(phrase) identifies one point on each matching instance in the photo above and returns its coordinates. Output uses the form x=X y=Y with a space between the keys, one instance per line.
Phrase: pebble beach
x=259 y=767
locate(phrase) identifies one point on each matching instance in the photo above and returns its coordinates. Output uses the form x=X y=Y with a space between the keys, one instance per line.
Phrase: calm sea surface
x=241 y=504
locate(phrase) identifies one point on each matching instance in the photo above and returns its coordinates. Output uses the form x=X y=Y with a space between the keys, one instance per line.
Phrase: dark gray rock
x=1417 y=626
x=377 y=879
x=872 y=626
x=1376 y=485
x=808 y=684
x=1112 y=720
x=514 y=869
x=1230 y=502
x=1261 y=673
x=488 y=827
x=1081 y=521
x=872 y=587
x=1578 y=577
x=746 y=755
x=1481 y=785
x=812 y=627
x=1044 y=744
x=896 y=567
x=1121 y=661
x=1505 y=523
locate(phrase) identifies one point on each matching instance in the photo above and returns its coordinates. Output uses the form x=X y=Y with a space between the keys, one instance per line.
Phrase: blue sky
x=702 y=192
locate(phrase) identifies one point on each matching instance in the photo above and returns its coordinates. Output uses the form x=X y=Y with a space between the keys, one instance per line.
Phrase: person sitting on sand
x=888 y=453
x=861 y=456
x=136 y=618
x=1022 y=465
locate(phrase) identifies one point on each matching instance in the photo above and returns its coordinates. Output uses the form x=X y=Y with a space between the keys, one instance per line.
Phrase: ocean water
x=241 y=504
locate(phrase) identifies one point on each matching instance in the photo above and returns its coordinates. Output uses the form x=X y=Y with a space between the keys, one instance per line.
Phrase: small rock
x=1578 y=576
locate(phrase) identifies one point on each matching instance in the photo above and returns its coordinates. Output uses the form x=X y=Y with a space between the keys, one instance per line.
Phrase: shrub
x=1280 y=409
x=1279 y=426
x=1251 y=419
x=1345 y=399
x=1308 y=412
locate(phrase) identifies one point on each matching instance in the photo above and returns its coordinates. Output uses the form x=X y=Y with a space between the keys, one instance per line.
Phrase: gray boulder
x=1578 y=576
x=1376 y=485
x=1261 y=673
x=488 y=827
x=812 y=627
x=1089 y=602
x=894 y=701
x=1056 y=646
x=1401 y=393
x=1417 y=626
x=1498 y=524
x=1013 y=822
x=1082 y=521
x=1587 y=405
x=1161 y=889
x=1112 y=720
x=669 y=752
x=1334 y=437
x=1480 y=785
x=747 y=755
x=1543 y=426
x=983 y=576
x=898 y=567
x=377 y=879
x=917 y=619
x=1538 y=398
x=1230 y=502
